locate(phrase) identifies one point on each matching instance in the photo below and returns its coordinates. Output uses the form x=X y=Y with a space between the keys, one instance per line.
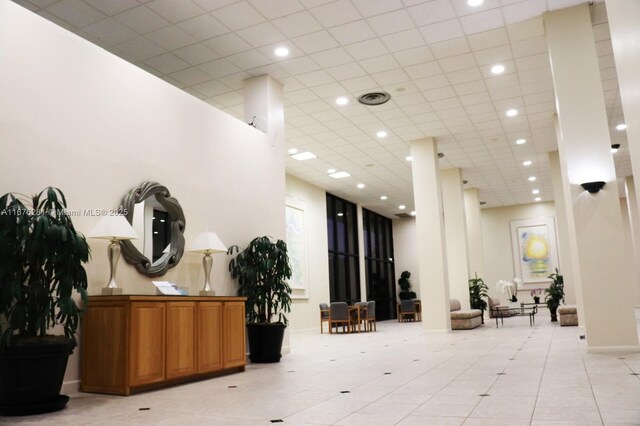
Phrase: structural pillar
x=623 y=16
x=475 y=250
x=455 y=227
x=568 y=254
x=634 y=224
x=431 y=251
x=584 y=147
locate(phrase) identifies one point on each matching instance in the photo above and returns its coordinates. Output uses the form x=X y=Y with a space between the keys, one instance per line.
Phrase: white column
x=430 y=250
x=455 y=228
x=634 y=224
x=475 y=252
x=585 y=146
x=264 y=99
x=568 y=254
x=624 y=16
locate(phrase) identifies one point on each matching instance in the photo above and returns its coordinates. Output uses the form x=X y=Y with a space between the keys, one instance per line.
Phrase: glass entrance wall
x=342 y=232
x=380 y=269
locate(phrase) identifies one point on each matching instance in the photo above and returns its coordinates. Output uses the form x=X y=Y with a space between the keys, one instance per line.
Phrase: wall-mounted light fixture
x=615 y=147
x=593 y=187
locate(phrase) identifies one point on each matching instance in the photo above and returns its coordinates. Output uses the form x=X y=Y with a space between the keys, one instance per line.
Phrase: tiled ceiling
x=433 y=57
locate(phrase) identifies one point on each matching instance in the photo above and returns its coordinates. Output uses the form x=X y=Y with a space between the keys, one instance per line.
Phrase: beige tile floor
x=400 y=375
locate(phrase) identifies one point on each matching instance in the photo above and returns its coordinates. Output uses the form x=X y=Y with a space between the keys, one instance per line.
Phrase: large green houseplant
x=41 y=257
x=554 y=294
x=477 y=294
x=262 y=270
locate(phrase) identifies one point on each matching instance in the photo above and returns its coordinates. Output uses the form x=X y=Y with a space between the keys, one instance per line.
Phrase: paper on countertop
x=165 y=287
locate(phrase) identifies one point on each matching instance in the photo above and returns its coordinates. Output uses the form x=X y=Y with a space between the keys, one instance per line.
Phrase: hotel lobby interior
x=454 y=139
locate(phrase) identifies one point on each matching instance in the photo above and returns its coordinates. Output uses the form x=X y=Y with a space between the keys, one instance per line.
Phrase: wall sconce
x=593 y=187
x=615 y=147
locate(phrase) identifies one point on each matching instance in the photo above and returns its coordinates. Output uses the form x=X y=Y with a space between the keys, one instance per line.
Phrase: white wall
x=404 y=250
x=305 y=313
x=498 y=253
x=74 y=116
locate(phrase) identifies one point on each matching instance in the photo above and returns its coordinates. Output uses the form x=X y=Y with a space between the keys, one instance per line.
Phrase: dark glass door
x=380 y=272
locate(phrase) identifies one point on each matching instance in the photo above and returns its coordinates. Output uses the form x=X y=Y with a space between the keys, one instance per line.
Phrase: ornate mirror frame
x=130 y=253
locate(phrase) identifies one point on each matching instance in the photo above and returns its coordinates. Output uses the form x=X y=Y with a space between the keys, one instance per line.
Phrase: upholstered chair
x=339 y=315
x=370 y=319
x=407 y=310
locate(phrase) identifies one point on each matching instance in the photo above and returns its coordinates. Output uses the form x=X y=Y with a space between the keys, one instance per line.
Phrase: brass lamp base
x=207 y=293
x=111 y=291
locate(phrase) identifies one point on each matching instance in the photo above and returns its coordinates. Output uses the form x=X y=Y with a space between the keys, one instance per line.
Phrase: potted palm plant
x=554 y=294
x=477 y=294
x=262 y=270
x=41 y=257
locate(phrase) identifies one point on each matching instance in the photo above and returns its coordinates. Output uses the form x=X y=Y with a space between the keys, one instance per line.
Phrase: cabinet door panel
x=209 y=336
x=147 y=342
x=234 y=334
x=181 y=354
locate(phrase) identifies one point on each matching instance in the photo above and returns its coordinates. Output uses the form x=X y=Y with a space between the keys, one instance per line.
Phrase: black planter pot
x=31 y=375
x=554 y=313
x=265 y=342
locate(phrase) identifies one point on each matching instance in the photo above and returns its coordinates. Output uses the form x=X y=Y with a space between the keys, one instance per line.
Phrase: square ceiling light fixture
x=339 y=175
x=301 y=156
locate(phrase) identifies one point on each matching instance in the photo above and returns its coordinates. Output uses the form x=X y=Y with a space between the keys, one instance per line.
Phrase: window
x=378 y=252
x=342 y=230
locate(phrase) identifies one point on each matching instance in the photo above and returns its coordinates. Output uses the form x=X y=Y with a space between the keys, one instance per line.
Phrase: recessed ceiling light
x=532 y=178
x=339 y=175
x=281 y=52
x=615 y=147
x=301 y=156
x=340 y=214
x=512 y=112
x=384 y=197
x=521 y=141
x=474 y=3
x=527 y=163
x=408 y=158
x=342 y=101
x=402 y=207
x=535 y=191
x=537 y=199
x=360 y=185
x=381 y=134
x=331 y=171
x=621 y=126
x=292 y=151
x=413 y=213
x=497 y=69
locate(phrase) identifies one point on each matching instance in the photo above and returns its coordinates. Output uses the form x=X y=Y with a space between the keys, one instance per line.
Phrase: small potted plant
x=262 y=270
x=535 y=293
x=477 y=294
x=405 y=286
x=554 y=294
x=41 y=257
x=510 y=288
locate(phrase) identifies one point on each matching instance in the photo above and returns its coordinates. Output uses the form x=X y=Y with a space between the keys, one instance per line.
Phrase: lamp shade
x=207 y=243
x=113 y=228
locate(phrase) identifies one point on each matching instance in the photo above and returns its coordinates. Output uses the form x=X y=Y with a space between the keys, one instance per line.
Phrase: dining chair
x=370 y=319
x=407 y=310
x=324 y=315
x=339 y=315
x=362 y=312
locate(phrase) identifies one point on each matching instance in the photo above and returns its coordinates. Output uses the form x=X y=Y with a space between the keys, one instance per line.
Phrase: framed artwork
x=535 y=252
x=297 y=248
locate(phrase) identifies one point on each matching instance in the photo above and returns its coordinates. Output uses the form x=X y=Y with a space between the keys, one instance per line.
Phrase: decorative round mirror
x=159 y=221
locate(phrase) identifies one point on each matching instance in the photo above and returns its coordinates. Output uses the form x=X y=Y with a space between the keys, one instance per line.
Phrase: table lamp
x=114 y=229
x=207 y=243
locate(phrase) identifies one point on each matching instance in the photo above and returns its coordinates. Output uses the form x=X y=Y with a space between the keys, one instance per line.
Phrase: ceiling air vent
x=403 y=215
x=374 y=98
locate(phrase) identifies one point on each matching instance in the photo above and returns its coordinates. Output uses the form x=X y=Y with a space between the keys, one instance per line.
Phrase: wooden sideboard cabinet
x=136 y=343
